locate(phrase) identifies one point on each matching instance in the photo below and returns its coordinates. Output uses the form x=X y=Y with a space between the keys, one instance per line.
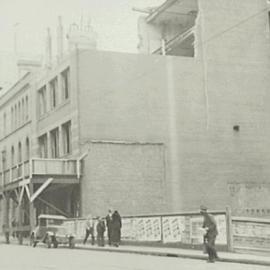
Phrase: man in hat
x=100 y=228
x=109 y=226
x=89 y=229
x=211 y=232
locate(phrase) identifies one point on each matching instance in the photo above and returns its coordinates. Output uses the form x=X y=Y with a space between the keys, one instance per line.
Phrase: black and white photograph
x=134 y=134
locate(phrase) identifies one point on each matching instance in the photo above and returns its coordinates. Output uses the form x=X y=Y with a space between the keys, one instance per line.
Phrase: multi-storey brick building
x=146 y=133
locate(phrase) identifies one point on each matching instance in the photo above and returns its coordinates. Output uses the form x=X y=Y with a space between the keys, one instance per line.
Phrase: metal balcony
x=41 y=167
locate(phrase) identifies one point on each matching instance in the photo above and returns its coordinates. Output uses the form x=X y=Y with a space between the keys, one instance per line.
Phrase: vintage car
x=52 y=232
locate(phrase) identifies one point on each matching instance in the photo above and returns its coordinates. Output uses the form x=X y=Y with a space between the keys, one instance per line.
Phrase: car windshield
x=54 y=221
x=50 y=221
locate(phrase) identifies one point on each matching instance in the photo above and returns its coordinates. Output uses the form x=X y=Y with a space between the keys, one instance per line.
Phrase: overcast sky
x=113 y=20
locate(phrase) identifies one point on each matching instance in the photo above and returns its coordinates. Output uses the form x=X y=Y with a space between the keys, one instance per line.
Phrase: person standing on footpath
x=116 y=228
x=89 y=229
x=100 y=232
x=109 y=226
x=211 y=232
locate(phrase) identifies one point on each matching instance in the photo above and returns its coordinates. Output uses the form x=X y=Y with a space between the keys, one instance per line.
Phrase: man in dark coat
x=100 y=232
x=211 y=232
x=109 y=226
x=116 y=228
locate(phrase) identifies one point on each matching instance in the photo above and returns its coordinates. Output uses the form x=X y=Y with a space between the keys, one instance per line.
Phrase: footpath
x=229 y=257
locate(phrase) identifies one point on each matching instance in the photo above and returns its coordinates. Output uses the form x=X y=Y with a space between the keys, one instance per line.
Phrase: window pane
x=65 y=83
x=53 y=87
x=66 y=128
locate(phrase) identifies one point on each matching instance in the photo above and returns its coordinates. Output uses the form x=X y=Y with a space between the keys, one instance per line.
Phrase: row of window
x=19 y=114
x=56 y=92
x=258 y=211
x=56 y=143
x=18 y=154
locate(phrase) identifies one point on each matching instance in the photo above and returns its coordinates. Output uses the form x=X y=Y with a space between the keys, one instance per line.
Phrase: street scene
x=28 y=258
x=134 y=134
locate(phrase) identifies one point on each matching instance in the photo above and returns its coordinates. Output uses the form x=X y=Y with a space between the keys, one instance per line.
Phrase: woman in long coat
x=116 y=228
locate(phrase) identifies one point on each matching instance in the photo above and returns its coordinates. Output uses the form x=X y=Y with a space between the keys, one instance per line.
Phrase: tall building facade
x=184 y=122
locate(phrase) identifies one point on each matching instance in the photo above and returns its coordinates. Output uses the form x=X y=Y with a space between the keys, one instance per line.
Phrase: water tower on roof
x=81 y=36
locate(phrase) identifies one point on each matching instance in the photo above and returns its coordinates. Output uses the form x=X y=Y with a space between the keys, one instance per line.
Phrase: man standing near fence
x=109 y=226
x=211 y=232
x=89 y=229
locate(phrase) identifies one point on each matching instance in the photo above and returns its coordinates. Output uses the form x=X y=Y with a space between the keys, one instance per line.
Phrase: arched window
x=19 y=113
x=26 y=108
x=12 y=118
x=19 y=153
x=23 y=112
x=12 y=156
x=27 y=149
x=19 y=160
x=16 y=117
x=5 y=123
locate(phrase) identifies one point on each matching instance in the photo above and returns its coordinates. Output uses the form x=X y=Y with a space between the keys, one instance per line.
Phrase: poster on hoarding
x=128 y=231
x=70 y=226
x=251 y=235
x=173 y=228
x=80 y=229
x=250 y=229
x=196 y=234
x=222 y=231
x=148 y=229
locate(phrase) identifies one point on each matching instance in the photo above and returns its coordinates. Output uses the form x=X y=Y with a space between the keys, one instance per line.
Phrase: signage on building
x=248 y=234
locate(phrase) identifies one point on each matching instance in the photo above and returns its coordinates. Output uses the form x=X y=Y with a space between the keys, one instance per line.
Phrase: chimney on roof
x=60 y=38
x=27 y=65
x=48 y=58
x=81 y=37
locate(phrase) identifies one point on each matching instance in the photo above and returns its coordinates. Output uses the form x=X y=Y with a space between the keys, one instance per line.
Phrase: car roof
x=52 y=217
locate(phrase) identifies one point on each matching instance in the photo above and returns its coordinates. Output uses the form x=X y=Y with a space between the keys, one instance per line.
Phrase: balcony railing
x=38 y=166
x=54 y=167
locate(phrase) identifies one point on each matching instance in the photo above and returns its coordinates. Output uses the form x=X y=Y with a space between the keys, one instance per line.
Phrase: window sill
x=15 y=130
x=53 y=110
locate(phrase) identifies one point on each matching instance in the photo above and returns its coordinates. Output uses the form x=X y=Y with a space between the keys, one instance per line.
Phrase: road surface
x=15 y=257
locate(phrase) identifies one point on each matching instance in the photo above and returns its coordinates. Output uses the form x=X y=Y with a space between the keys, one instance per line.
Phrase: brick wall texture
x=188 y=104
x=123 y=176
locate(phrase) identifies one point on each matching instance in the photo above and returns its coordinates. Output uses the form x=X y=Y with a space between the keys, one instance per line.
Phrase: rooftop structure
x=169 y=29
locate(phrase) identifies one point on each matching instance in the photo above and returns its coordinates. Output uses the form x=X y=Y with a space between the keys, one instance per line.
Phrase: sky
x=113 y=20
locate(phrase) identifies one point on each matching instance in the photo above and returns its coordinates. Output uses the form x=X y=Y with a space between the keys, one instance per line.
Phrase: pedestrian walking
x=13 y=225
x=211 y=232
x=116 y=228
x=89 y=230
x=109 y=226
x=100 y=232
x=5 y=230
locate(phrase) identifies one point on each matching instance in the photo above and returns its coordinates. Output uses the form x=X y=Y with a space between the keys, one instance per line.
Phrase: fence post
x=229 y=229
x=161 y=230
x=76 y=228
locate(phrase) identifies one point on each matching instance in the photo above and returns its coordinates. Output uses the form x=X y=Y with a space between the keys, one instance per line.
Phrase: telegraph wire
x=233 y=26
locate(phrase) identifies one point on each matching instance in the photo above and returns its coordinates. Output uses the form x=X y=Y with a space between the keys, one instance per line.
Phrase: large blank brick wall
x=189 y=104
x=127 y=177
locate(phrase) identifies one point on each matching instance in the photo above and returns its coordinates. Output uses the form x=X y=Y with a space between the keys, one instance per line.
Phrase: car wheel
x=71 y=242
x=31 y=240
x=48 y=242
x=55 y=244
x=33 y=243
